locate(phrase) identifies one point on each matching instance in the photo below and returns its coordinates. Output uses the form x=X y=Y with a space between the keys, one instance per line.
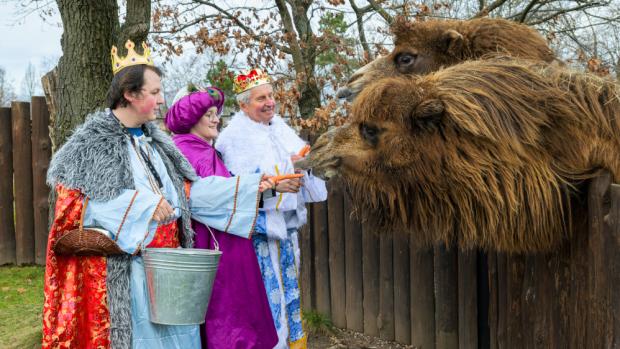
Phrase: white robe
x=251 y=147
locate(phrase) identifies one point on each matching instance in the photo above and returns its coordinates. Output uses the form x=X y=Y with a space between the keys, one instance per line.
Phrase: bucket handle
x=217 y=245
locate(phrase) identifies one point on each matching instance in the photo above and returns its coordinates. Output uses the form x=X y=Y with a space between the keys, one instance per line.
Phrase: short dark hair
x=130 y=79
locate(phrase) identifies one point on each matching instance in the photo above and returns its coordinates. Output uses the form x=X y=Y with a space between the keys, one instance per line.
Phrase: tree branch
x=237 y=21
x=527 y=10
x=359 y=19
x=488 y=9
x=376 y=6
x=137 y=22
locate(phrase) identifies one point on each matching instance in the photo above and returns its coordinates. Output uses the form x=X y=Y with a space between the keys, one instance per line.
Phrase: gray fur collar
x=95 y=159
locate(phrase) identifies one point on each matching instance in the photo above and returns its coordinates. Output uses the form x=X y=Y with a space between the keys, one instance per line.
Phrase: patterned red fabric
x=75 y=311
x=166 y=236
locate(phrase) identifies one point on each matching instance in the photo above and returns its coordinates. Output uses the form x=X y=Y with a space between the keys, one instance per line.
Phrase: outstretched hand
x=266 y=183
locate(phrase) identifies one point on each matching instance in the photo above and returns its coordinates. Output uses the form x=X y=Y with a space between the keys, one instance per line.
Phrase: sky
x=26 y=40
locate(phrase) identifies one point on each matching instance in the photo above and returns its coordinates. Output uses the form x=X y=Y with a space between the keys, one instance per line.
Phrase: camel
x=423 y=47
x=481 y=154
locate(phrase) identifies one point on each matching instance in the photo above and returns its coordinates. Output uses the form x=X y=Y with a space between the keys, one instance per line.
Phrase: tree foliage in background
x=312 y=46
x=220 y=76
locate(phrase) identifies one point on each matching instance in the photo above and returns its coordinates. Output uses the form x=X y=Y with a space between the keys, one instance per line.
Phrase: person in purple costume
x=238 y=316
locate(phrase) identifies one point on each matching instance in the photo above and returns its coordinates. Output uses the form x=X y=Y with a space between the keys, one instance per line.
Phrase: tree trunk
x=79 y=84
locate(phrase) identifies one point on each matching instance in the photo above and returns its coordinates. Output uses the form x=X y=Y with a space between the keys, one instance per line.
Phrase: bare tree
x=30 y=82
x=6 y=89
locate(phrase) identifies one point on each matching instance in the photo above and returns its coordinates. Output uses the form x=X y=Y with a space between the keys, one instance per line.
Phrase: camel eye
x=370 y=133
x=404 y=61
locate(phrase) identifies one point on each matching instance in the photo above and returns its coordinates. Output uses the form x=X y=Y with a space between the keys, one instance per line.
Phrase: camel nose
x=344 y=92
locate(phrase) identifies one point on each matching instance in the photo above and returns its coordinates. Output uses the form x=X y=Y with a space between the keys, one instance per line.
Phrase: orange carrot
x=278 y=179
x=304 y=151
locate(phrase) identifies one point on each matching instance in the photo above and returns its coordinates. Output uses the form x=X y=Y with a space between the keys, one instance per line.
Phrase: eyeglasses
x=212 y=116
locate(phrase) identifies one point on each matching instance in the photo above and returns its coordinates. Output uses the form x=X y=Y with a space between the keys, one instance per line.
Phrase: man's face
x=261 y=107
x=146 y=103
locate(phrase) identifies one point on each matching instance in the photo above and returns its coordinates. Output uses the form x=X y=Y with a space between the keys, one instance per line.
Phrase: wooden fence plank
x=335 y=210
x=370 y=270
x=600 y=319
x=515 y=268
x=446 y=298
x=41 y=153
x=402 y=304
x=502 y=301
x=493 y=299
x=307 y=265
x=321 y=258
x=578 y=293
x=22 y=165
x=7 y=228
x=422 y=297
x=353 y=273
x=385 y=320
x=613 y=258
x=468 y=299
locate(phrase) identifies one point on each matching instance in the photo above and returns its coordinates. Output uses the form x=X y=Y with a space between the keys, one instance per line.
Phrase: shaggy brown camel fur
x=424 y=47
x=481 y=153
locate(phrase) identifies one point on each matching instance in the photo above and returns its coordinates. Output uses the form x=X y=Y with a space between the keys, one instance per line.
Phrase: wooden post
x=402 y=305
x=22 y=165
x=603 y=258
x=41 y=153
x=7 y=227
x=493 y=299
x=612 y=239
x=422 y=296
x=336 y=233
x=306 y=278
x=468 y=299
x=353 y=273
x=446 y=298
x=321 y=258
x=385 y=320
x=370 y=274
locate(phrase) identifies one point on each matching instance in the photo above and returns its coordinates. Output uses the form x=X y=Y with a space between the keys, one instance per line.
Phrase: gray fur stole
x=95 y=161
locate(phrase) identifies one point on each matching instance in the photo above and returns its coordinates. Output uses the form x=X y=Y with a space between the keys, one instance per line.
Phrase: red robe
x=75 y=311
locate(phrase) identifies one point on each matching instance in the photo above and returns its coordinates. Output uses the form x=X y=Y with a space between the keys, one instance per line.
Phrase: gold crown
x=249 y=79
x=132 y=58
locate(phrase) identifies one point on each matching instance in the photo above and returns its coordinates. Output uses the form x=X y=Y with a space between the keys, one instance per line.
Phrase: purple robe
x=238 y=316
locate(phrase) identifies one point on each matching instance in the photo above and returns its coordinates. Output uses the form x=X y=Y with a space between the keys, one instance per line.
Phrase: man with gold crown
x=119 y=172
x=257 y=140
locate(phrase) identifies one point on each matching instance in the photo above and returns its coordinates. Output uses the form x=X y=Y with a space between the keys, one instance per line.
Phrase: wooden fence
x=381 y=284
x=25 y=150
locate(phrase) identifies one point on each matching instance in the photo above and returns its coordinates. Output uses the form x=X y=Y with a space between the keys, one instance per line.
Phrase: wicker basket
x=86 y=241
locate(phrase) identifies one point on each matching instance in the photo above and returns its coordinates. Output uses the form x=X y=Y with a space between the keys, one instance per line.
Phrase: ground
x=342 y=339
x=21 y=303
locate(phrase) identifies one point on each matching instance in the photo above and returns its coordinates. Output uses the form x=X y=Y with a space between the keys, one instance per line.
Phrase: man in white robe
x=258 y=141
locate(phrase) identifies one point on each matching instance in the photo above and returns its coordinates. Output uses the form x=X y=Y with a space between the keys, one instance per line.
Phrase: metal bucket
x=179 y=282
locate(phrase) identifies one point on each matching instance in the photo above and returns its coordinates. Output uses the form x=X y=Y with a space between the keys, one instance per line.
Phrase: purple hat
x=186 y=112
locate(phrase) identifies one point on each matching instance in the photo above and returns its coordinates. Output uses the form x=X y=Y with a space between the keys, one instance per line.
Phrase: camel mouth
x=327 y=169
x=346 y=93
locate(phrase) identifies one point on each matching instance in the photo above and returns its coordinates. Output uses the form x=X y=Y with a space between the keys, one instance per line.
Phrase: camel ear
x=427 y=115
x=453 y=42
